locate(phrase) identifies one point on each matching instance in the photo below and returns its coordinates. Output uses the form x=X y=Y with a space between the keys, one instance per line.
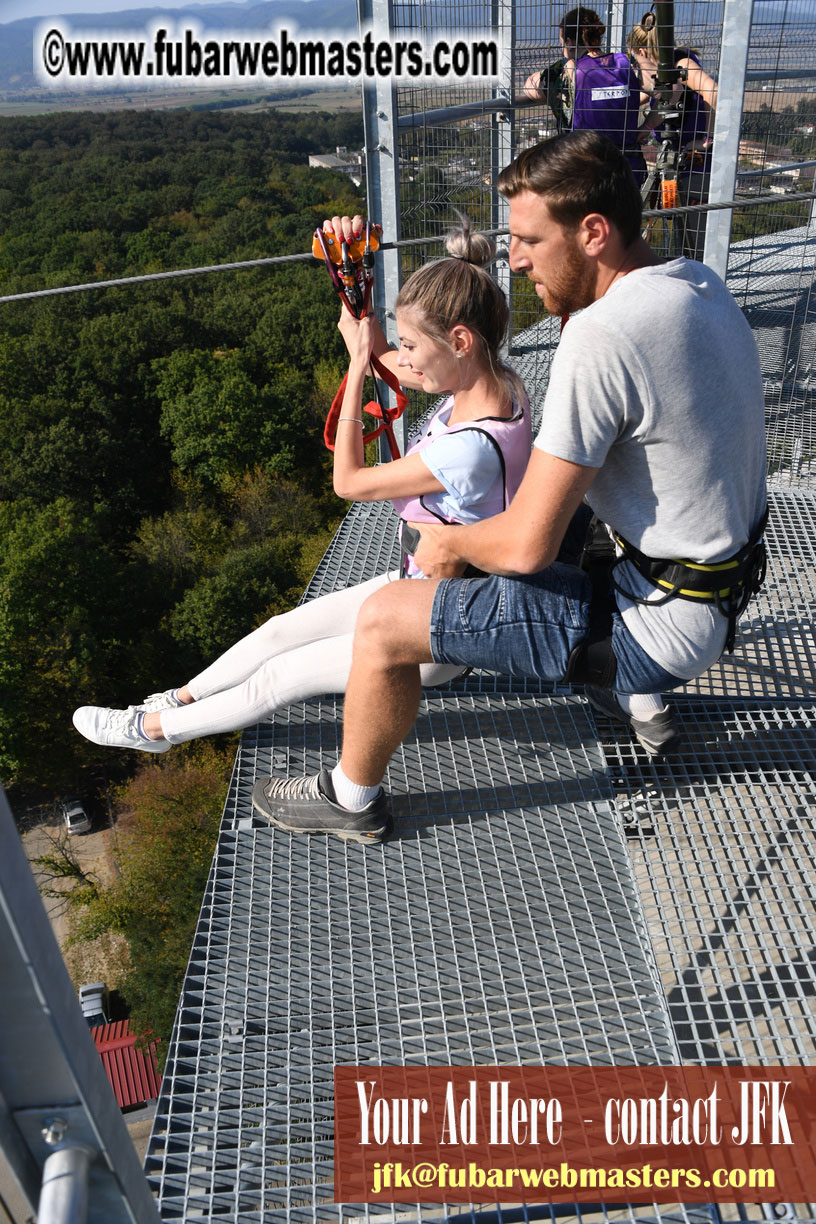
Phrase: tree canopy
x=162 y=474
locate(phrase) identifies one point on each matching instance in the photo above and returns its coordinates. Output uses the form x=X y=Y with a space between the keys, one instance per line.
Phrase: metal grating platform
x=775 y=655
x=501 y=925
x=724 y=853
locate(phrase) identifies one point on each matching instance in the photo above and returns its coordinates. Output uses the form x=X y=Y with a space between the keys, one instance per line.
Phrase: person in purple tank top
x=466 y=465
x=696 y=98
x=601 y=89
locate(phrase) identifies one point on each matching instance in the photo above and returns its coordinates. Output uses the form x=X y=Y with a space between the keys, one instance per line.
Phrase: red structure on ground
x=132 y=1073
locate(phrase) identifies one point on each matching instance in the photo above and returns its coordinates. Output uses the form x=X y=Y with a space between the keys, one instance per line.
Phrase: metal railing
x=67 y=1150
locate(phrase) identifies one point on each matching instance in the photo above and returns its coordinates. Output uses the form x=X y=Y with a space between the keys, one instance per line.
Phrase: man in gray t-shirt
x=657 y=386
x=654 y=416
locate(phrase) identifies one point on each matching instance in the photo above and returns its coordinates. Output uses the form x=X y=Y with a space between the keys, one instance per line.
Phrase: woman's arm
x=699 y=82
x=532 y=87
x=353 y=481
x=652 y=120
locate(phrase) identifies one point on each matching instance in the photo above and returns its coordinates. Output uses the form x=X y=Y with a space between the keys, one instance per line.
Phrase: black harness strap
x=730 y=585
x=593 y=660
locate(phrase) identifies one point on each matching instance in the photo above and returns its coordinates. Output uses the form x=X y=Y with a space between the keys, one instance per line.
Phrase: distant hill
x=314 y=16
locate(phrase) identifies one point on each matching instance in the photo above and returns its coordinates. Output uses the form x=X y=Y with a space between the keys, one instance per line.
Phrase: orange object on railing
x=668 y=194
x=351 y=267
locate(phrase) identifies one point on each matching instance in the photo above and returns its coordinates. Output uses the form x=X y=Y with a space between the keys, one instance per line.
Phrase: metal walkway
x=549 y=897
x=500 y=925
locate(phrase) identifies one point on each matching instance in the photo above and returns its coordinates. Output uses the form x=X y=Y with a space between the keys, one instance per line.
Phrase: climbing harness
x=593 y=660
x=351 y=267
x=741 y=576
x=511 y=445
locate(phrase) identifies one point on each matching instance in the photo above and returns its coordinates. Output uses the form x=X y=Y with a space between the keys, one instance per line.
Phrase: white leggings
x=303 y=653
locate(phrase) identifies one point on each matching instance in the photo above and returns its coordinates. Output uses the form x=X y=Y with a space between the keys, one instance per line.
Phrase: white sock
x=642 y=706
x=349 y=795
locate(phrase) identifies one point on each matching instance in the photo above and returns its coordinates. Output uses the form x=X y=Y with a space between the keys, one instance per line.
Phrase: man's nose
x=518 y=260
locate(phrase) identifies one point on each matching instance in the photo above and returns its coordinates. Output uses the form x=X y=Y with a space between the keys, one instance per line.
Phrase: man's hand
x=432 y=556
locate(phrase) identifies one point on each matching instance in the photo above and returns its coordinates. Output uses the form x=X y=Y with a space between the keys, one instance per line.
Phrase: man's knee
x=393 y=626
x=374 y=628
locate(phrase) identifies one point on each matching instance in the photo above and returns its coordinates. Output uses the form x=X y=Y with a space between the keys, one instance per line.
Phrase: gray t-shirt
x=658 y=384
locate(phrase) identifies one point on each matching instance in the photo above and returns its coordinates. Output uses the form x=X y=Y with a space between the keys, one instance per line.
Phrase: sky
x=13 y=10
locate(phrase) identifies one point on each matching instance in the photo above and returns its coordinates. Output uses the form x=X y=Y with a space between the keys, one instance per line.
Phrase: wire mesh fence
x=448 y=142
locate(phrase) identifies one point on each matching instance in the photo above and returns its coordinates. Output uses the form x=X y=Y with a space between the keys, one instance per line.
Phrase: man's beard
x=572 y=287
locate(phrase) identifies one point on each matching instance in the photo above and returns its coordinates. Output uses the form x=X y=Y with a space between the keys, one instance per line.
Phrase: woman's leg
x=328 y=616
x=308 y=671
x=304 y=653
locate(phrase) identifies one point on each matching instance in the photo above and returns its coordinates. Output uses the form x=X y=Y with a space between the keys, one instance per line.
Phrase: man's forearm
x=492 y=545
x=508 y=544
x=524 y=538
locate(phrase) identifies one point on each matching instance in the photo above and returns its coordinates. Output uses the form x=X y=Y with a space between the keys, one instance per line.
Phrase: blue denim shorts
x=529 y=626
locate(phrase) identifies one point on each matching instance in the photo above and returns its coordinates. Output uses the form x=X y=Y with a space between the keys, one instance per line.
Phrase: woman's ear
x=461 y=340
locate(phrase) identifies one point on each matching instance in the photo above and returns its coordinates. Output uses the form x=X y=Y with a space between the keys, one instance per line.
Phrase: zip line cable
x=300 y=257
x=303 y=257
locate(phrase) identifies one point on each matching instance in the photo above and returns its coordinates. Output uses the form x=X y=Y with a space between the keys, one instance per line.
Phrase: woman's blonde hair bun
x=464 y=242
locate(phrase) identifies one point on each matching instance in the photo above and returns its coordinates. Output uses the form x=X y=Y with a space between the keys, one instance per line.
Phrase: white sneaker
x=158 y=701
x=115 y=728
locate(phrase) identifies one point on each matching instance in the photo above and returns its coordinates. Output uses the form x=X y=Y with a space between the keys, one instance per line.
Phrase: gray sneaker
x=115 y=729
x=308 y=805
x=657 y=735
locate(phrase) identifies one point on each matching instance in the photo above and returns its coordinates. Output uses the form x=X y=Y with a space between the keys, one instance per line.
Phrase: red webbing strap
x=386 y=416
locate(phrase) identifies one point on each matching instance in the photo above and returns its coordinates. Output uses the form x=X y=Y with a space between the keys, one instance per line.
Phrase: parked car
x=76 y=818
x=92 y=1002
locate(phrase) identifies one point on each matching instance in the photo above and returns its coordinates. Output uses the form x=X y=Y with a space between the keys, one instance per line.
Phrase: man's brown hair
x=578 y=173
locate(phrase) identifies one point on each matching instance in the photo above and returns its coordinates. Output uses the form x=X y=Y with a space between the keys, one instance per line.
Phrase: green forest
x=163 y=482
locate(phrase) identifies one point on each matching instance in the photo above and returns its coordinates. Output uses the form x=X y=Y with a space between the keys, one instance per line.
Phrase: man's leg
x=521 y=626
x=391 y=641
x=382 y=698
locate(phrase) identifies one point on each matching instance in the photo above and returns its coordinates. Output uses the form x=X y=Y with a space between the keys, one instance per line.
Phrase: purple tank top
x=607 y=97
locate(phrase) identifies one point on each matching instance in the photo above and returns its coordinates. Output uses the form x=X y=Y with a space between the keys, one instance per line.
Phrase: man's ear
x=594 y=233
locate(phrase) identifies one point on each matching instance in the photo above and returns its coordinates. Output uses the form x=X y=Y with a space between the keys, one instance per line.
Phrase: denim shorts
x=529 y=626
